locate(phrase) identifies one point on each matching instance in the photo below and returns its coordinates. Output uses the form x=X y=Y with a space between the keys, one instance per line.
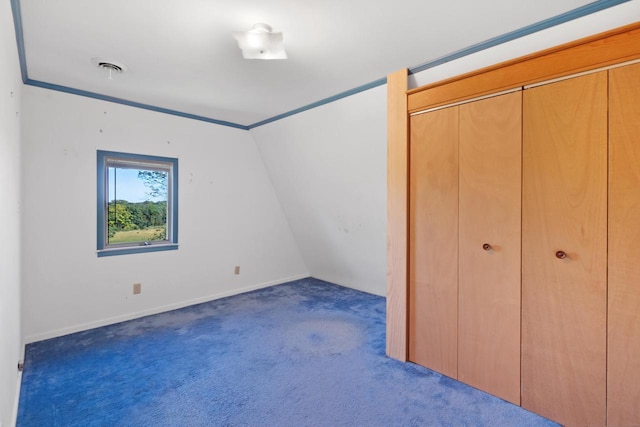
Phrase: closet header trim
x=598 y=51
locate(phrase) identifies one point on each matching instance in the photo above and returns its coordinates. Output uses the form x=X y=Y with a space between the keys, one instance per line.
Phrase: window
x=137 y=203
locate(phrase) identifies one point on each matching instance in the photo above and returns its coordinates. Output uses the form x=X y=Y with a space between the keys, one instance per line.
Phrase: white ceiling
x=181 y=54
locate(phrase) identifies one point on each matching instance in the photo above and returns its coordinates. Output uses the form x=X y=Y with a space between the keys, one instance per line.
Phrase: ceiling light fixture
x=261 y=43
x=109 y=66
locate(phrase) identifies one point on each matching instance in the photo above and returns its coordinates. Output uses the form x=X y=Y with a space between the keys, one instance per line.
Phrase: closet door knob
x=486 y=247
x=561 y=255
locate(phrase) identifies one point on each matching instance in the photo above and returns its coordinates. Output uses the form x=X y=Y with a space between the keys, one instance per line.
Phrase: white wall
x=10 y=110
x=228 y=215
x=328 y=164
x=329 y=168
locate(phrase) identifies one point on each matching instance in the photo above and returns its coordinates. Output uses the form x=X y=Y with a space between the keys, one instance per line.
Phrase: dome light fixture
x=260 y=42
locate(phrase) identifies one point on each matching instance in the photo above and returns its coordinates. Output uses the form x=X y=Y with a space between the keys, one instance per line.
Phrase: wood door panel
x=490 y=211
x=565 y=208
x=624 y=247
x=433 y=241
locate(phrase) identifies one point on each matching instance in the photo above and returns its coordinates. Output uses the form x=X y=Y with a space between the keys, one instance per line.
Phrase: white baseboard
x=135 y=315
x=14 y=420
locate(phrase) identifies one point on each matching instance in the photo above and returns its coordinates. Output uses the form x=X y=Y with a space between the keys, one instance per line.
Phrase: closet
x=523 y=240
x=464 y=250
x=623 y=373
x=489 y=245
x=564 y=250
x=433 y=243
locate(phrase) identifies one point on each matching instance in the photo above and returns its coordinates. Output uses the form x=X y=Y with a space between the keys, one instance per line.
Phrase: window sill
x=137 y=249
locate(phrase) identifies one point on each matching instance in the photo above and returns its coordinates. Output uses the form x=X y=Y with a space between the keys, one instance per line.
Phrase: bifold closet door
x=433 y=240
x=624 y=247
x=564 y=250
x=490 y=230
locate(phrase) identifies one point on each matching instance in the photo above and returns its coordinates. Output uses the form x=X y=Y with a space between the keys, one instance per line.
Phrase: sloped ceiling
x=182 y=58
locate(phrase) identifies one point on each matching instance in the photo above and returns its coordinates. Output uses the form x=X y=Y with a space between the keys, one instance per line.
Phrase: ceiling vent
x=109 y=67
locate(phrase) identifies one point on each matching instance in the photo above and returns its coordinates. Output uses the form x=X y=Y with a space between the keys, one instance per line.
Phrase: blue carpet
x=306 y=353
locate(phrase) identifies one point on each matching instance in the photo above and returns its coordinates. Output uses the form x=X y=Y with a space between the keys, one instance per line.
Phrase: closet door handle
x=487 y=247
x=561 y=255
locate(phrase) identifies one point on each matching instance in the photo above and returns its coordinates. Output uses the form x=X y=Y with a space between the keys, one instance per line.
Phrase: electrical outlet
x=237 y=270
x=137 y=288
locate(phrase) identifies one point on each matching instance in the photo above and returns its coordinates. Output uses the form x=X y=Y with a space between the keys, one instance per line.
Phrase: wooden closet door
x=624 y=247
x=564 y=300
x=489 y=277
x=433 y=241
